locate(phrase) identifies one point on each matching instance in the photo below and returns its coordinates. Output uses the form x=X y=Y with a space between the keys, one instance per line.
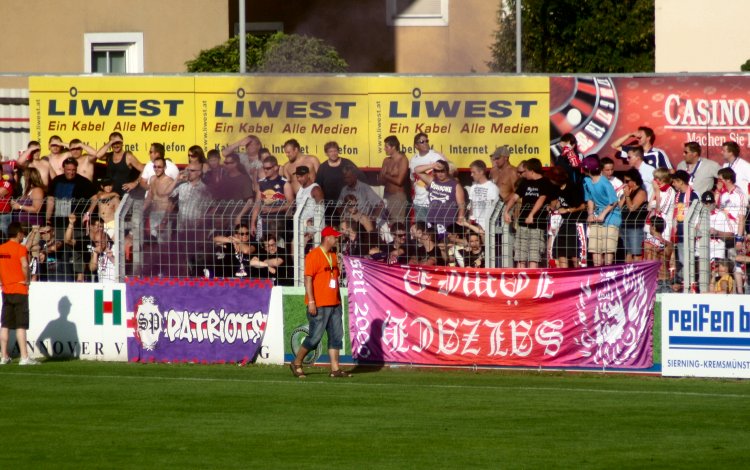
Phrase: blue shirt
x=603 y=195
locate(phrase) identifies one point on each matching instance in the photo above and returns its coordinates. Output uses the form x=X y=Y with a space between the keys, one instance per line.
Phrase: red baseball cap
x=330 y=232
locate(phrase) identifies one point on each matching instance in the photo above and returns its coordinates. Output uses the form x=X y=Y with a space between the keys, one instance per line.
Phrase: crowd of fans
x=229 y=213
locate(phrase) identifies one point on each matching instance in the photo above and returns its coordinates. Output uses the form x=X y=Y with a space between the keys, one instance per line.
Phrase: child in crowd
x=604 y=217
x=722 y=280
x=658 y=245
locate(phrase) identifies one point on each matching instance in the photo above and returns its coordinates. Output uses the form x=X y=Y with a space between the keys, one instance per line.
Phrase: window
x=113 y=53
x=417 y=12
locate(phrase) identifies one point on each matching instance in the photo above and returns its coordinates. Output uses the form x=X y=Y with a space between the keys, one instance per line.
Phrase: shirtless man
x=85 y=161
x=58 y=153
x=503 y=173
x=393 y=176
x=105 y=202
x=31 y=158
x=157 y=200
x=119 y=162
x=297 y=159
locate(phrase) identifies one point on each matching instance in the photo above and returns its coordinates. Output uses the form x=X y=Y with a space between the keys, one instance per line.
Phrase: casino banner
x=466 y=118
x=196 y=320
x=591 y=317
x=313 y=110
x=708 y=109
x=143 y=109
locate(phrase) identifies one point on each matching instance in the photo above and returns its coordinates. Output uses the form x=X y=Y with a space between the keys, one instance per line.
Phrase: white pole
x=518 y=36
x=243 y=39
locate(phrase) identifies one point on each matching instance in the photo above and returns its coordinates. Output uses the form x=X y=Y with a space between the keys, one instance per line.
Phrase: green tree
x=577 y=36
x=279 y=53
x=225 y=58
x=301 y=54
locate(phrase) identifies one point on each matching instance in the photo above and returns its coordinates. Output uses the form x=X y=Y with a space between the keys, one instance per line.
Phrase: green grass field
x=108 y=415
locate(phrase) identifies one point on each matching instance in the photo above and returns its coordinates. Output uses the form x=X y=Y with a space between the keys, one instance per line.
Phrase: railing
x=208 y=242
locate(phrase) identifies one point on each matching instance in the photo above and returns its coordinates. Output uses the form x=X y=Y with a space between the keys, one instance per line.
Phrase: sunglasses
x=423 y=141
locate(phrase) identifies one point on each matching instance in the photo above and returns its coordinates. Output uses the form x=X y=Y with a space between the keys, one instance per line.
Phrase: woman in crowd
x=634 y=207
x=233 y=252
x=570 y=207
x=271 y=262
x=447 y=198
x=29 y=208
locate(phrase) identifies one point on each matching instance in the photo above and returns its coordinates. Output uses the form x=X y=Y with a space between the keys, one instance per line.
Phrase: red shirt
x=5 y=200
x=11 y=273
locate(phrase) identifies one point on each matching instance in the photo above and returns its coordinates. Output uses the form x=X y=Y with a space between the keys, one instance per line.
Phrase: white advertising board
x=272 y=348
x=68 y=320
x=90 y=321
x=705 y=335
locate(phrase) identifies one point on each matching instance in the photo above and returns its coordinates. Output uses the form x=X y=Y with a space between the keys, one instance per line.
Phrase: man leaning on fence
x=323 y=302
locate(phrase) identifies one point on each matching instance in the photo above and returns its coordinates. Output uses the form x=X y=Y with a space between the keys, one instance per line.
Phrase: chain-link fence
x=700 y=248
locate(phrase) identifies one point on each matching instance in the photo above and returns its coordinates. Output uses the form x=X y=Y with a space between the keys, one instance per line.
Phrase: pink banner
x=593 y=317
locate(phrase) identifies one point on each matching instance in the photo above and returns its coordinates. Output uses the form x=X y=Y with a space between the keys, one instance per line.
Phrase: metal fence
x=218 y=239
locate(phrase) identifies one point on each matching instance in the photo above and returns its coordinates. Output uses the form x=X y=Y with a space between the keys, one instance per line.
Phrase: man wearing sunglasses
x=425 y=156
x=86 y=161
x=119 y=162
x=275 y=196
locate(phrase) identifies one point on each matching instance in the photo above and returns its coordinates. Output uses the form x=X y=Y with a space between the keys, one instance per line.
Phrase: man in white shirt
x=635 y=158
x=608 y=170
x=645 y=138
x=424 y=156
x=483 y=194
x=730 y=151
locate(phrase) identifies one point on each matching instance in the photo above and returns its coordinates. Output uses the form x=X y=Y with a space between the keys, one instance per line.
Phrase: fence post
x=490 y=239
x=123 y=209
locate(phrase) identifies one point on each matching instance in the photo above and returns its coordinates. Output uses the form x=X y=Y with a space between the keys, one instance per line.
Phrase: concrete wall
x=461 y=47
x=359 y=32
x=701 y=35
x=48 y=35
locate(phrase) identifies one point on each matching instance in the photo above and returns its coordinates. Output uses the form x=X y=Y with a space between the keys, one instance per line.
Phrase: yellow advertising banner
x=143 y=109
x=313 y=110
x=465 y=117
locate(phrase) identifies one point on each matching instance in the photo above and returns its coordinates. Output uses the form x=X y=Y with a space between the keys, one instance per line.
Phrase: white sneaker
x=28 y=362
x=5 y=360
